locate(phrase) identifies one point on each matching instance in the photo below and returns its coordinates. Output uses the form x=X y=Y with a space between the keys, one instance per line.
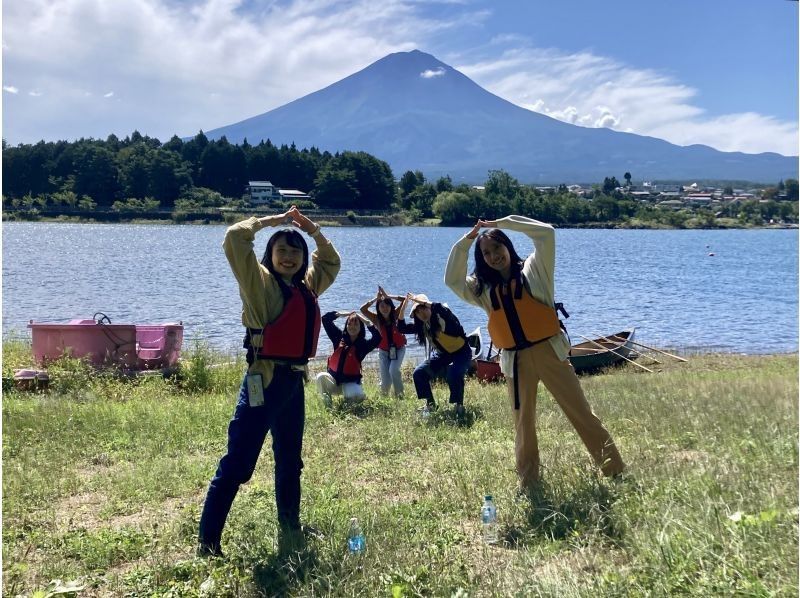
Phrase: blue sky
x=719 y=72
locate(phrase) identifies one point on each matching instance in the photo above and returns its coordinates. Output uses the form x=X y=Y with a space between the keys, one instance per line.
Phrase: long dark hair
x=484 y=273
x=293 y=239
x=419 y=327
x=392 y=315
x=362 y=332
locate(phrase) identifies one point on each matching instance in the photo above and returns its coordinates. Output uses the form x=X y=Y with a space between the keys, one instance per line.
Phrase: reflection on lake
x=744 y=298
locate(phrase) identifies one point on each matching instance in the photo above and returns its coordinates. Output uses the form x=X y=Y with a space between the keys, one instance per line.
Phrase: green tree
x=791 y=189
x=444 y=183
x=627 y=177
x=454 y=208
x=610 y=185
x=336 y=188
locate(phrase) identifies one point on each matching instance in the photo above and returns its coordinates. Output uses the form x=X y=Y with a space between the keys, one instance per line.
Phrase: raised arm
x=331 y=329
x=400 y=314
x=455 y=274
x=325 y=261
x=542 y=234
x=371 y=316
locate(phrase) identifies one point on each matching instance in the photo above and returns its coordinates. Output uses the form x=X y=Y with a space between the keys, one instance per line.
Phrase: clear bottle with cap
x=356 y=542
x=489 y=520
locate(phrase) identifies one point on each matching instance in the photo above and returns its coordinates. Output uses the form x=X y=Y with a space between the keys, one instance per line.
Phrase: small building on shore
x=262 y=192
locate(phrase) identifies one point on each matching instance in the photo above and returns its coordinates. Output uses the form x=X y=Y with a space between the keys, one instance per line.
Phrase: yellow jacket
x=262 y=300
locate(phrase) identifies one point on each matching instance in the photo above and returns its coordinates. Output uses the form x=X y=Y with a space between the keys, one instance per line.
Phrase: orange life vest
x=391 y=333
x=293 y=335
x=344 y=362
x=519 y=320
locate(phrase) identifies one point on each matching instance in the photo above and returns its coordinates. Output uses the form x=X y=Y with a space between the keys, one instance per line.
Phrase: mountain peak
x=414 y=63
x=418 y=113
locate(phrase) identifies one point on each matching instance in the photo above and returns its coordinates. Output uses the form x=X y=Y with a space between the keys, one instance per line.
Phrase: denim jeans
x=452 y=366
x=391 y=375
x=283 y=414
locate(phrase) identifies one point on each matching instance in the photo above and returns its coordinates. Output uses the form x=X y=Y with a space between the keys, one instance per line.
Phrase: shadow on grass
x=447 y=417
x=296 y=563
x=362 y=409
x=587 y=508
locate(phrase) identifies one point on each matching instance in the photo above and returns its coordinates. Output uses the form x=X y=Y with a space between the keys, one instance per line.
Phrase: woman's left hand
x=300 y=221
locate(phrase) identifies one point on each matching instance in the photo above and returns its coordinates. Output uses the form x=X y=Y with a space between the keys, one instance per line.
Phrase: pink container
x=126 y=345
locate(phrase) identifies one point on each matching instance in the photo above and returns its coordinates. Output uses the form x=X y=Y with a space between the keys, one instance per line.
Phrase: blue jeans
x=283 y=413
x=452 y=366
x=391 y=375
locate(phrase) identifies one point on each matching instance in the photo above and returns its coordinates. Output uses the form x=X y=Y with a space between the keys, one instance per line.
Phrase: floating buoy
x=711 y=254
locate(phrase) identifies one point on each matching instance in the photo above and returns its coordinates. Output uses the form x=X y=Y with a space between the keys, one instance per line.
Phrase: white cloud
x=431 y=73
x=593 y=91
x=208 y=63
x=35 y=94
x=204 y=63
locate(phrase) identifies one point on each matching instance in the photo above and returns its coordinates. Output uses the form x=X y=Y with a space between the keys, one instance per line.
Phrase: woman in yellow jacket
x=518 y=296
x=282 y=319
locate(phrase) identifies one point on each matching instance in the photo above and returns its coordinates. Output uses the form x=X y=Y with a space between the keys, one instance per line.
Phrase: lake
x=742 y=299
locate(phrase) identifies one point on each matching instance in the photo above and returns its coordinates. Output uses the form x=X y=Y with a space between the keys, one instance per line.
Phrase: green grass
x=104 y=479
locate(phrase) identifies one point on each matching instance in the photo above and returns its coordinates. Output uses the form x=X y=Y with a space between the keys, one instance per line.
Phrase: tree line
x=141 y=169
x=141 y=174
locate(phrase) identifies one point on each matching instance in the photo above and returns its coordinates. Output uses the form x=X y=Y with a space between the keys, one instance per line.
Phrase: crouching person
x=344 y=365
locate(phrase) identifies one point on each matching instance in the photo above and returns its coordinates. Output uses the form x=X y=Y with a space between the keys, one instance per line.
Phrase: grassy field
x=104 y=479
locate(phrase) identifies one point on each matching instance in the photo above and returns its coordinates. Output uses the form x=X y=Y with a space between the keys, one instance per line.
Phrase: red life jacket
x=293 y=335
x=390 y=332
x=344 y=361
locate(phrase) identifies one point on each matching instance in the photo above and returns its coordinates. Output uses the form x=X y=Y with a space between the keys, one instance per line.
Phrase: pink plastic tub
x=126 y=345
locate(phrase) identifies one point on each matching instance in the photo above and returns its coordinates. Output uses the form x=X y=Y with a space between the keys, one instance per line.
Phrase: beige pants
x=541 y=363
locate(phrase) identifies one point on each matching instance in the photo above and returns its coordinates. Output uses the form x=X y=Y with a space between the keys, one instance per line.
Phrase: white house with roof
x=262 y=192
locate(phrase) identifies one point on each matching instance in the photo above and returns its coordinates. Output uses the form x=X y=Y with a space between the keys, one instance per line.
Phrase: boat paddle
x=659 y=350
x=617 y=354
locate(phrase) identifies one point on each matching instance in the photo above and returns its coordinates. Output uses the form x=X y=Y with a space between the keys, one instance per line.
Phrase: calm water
x=743 y=299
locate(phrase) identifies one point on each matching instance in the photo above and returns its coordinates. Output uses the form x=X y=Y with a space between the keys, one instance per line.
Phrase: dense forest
x=139 y=174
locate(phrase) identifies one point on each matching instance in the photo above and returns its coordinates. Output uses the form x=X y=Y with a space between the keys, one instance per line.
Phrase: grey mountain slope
x=447 y=124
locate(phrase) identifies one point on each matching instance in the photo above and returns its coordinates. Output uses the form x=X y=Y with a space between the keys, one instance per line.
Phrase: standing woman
x=392 y=348
x=281 y=314
x=518 y=296
x=435 y=325
x=350 y=347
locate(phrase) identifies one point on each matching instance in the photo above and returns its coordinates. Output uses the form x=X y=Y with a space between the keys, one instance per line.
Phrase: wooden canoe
x=602 y=353
x=586 y=357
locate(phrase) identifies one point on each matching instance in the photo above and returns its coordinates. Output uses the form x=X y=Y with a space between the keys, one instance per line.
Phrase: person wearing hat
x=518 y=296
x=450 y=356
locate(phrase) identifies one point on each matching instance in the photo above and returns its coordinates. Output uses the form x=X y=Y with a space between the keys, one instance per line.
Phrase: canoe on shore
x=600 y=353
x=586 y=357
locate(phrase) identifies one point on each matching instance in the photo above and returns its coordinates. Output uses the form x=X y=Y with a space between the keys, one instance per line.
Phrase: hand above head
x=300 y=221
x=478 y=226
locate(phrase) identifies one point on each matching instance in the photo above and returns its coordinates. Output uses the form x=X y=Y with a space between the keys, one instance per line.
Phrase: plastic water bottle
x=355 y=538
x=426 y=412
x=489 y=520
